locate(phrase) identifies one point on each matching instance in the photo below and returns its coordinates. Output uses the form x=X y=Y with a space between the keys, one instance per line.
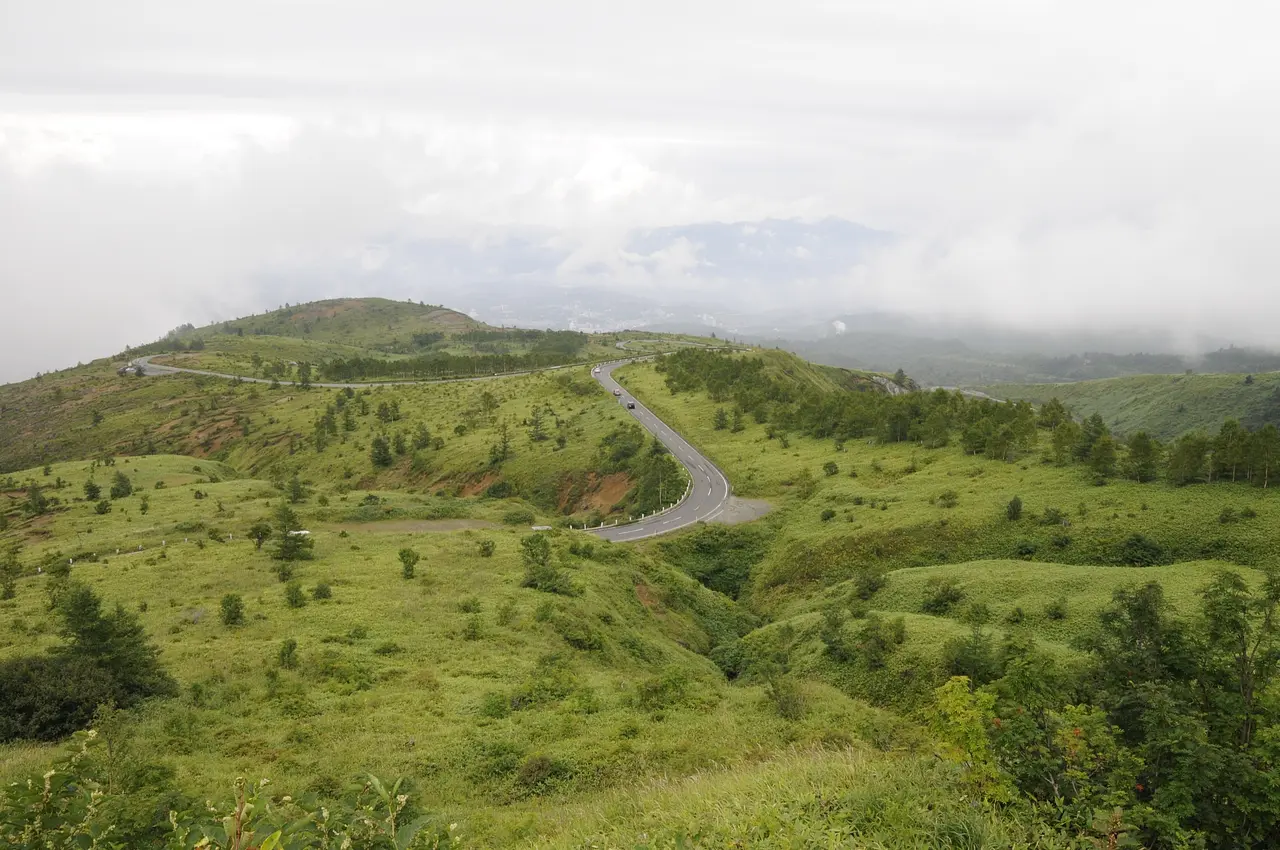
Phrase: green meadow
x=787 y=682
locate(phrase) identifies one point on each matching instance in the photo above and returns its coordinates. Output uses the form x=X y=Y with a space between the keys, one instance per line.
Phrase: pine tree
x=290 y=546
x=721 y=419
x=380 y=451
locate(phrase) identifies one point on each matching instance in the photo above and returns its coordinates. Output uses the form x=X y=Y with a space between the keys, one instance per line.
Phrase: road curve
x=708 y=493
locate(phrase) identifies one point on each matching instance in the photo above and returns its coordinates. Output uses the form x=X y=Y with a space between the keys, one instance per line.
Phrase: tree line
x=1004 y=430
x=440 y=365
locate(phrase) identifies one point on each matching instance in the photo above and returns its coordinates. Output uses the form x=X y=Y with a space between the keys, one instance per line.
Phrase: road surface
x=708 y=494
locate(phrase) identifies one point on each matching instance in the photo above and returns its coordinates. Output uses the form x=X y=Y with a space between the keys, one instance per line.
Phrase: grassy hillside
x=774 y=684
x=1164 y=406
x=357 y=322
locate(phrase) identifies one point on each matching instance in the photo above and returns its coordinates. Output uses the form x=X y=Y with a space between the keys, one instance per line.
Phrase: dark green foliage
x=500 y=490
x=1138 y=550
x=831 y=468
x=827 y=515
x=721 y=557
x=721 y=419
x=1188 y=459
x=121 y=486
x=103 y=507
x=1013 y=510
x=941 y=596
x=487 y=548
x=321 y=591
x=867 y=582
x=1057 y=609
x=380 y=451
x=878 y=638
x=287 y=657
x=259 y=533
x=1143 y=461
x=36 y=502
x=92 y=492
x=295 y=489
x=1102 y=457
x=833 y=636
x=948 y=499
x=539 y=572
x=231 y=610
x=408 y=562
x=291 y=544
x=10 y=569
x=104 y=658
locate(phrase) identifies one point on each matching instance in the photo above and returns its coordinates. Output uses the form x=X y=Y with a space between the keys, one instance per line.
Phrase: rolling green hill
x=1164 y=406
x=788 y=682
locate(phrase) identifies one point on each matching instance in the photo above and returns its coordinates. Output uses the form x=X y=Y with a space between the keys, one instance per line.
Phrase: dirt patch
x=475 y=488
x=742 y=510
x=606 y=492
x=418 y=526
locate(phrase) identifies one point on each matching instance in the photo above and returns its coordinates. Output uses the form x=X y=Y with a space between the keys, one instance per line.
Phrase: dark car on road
x=631 y=405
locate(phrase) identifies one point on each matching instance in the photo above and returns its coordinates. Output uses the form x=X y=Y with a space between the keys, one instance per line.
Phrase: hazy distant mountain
x=771 y=250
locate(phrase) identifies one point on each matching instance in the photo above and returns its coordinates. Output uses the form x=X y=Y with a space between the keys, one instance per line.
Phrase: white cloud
x=1048 y=161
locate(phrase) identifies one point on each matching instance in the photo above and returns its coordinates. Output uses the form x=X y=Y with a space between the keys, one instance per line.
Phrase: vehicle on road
x=631 y=405
x=618 y=393
x=595 y=371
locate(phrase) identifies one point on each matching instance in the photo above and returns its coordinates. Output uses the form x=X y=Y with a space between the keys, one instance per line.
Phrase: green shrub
x=470 y=605
x=232 y=610
x=473 y=630
x=1140 y=551
x=487 y=548
x=787 y=697
x=287 y=657
x=1057 y=609
x=948 y=499
x=408 y=562
x=831 y=468
x=1227 y=515
x=1013 y=510
x=941 y=595
x=518 y=516
x=828 y=515
x=103 y=507
x=293 y=595
x=321 y=591
x=668 y=690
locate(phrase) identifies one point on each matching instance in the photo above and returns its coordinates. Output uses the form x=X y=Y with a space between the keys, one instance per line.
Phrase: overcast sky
x=1043 y=162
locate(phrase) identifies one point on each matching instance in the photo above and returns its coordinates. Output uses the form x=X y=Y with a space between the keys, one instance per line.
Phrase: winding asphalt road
x=706 y=498
x=708 y=493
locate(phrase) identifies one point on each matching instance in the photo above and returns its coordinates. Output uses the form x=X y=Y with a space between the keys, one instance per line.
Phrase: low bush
x=231 y=610
x=941 y=595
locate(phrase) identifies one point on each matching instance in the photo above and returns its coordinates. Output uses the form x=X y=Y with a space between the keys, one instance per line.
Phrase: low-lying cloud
x=1042 y=165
